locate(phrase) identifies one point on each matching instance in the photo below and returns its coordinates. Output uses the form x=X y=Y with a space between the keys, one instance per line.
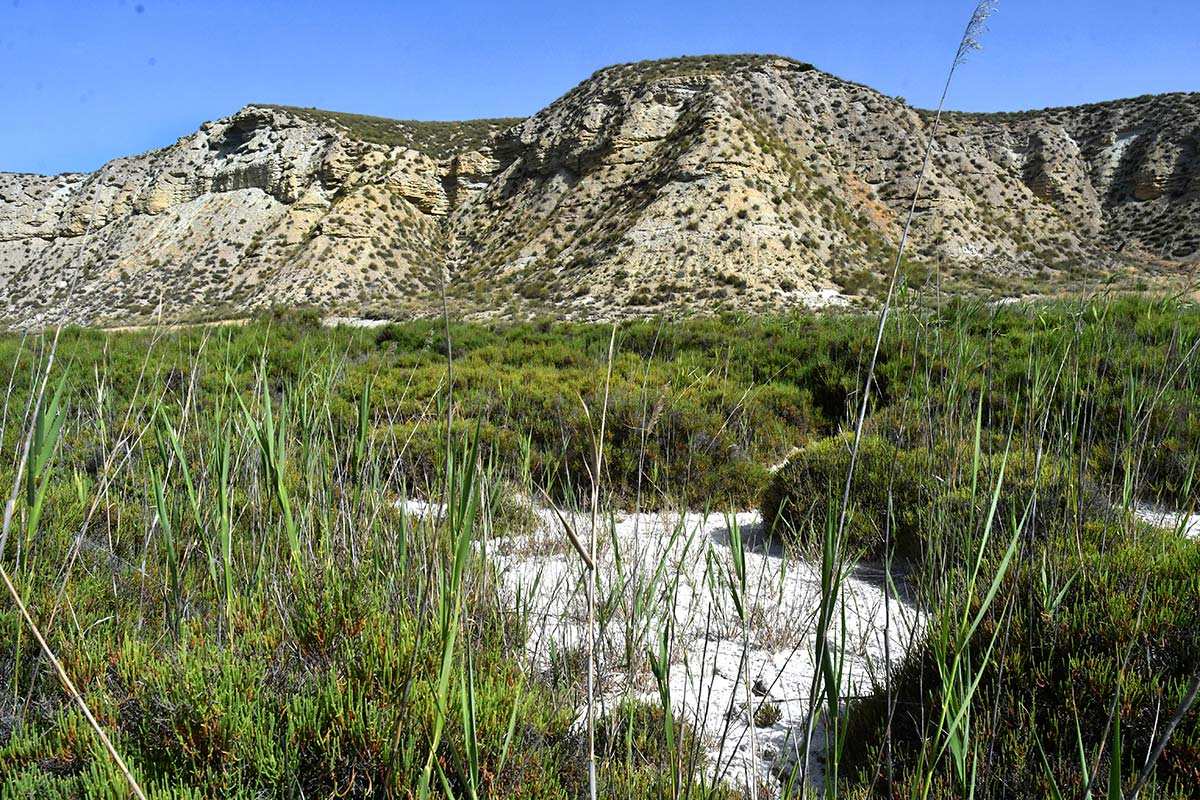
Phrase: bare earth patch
x=668 y=574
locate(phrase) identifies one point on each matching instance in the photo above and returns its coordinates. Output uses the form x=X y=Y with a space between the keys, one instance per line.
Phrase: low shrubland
x=699 y=407
x=901 y=497
x=1067 y=685
x=248 y=613
x=1093 y=625
x=205 y=529
x=1061 y=655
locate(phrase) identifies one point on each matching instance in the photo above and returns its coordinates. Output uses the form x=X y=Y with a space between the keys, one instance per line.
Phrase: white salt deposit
x=353 y=322
x=669 y=573
x=666 y=573
x=1187 y=524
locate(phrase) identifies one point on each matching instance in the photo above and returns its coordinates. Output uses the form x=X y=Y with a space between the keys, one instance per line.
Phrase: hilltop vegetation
x=435 y=138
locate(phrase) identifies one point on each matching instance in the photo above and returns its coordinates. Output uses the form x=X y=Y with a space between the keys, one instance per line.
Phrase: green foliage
x=712 y=399
x=911 y=494
x=436 y=139
x=250 y=615
x=207 y=527
x=632 y=736
x=1114 y=644
x=345 y=711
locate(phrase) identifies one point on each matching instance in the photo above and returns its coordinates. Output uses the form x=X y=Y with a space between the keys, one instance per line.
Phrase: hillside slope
x=746 y=181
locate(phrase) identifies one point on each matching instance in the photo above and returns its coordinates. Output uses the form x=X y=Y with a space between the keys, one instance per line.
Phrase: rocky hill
x=747 y=181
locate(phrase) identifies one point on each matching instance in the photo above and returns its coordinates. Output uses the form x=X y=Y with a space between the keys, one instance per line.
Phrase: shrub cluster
x=1111 y=636
x=906 y=497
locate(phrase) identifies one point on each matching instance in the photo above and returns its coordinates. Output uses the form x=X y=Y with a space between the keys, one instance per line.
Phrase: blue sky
x=83 y=82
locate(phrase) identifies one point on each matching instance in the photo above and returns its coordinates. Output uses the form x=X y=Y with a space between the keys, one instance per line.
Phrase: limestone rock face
x=727 y=181
x=267 y=206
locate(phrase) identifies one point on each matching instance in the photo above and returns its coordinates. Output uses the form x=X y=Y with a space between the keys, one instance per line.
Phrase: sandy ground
x=669 y=574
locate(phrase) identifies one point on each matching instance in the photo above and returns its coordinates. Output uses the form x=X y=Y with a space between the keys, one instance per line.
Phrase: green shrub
x=631 y=738
x=913 y=495
x=1124 y=634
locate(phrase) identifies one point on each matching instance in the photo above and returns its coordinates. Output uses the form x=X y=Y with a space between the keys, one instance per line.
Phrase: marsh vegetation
x=281 y=560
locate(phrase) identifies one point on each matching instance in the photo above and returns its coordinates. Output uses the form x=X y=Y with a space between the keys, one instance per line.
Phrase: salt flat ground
x=670 y=574
x=1187 y=524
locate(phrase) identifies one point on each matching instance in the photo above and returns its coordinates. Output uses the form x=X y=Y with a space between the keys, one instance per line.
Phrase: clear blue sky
x=86 y=81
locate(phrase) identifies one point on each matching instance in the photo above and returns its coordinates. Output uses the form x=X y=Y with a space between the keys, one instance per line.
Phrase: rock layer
x=749 y=181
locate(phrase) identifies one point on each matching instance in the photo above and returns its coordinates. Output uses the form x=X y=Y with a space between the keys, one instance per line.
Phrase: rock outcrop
x=748 y=181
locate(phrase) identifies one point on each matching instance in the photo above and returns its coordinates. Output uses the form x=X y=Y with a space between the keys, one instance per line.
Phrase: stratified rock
x=748 y=181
